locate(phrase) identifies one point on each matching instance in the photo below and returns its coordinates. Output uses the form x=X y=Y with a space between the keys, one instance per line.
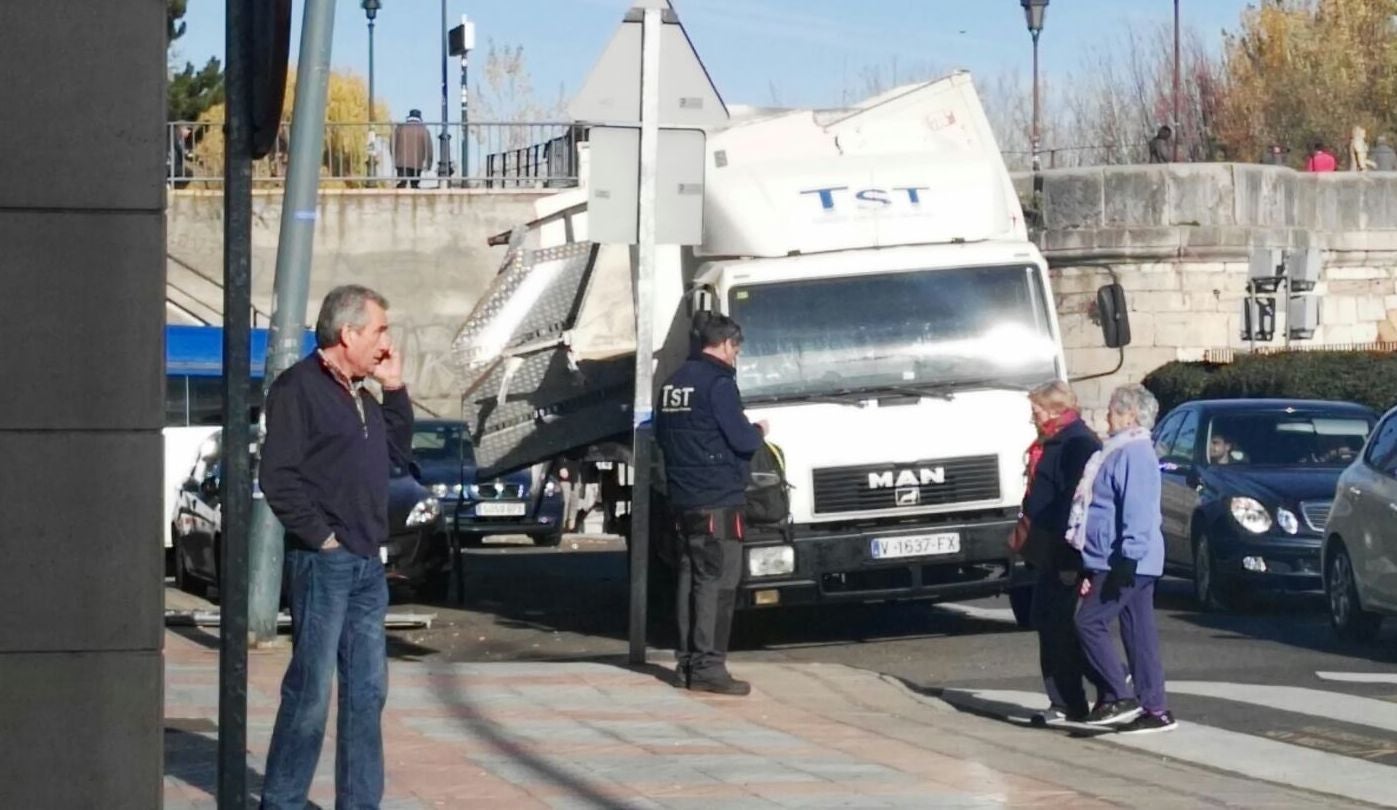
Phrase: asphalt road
x=1274 y=674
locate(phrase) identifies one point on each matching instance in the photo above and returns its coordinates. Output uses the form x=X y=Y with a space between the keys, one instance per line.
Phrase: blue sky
x=791 y=52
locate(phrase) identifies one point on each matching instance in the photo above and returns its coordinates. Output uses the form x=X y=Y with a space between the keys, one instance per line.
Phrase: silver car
x=1360 y=551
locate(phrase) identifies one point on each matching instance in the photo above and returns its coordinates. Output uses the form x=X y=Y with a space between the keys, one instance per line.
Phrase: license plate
x=499 y=509
x=919 y=545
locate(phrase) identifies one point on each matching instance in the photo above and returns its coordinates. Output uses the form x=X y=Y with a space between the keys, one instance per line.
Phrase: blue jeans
x=338 y=604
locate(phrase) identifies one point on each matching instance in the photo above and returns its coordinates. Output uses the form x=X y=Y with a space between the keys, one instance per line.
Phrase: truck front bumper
x=838 y=565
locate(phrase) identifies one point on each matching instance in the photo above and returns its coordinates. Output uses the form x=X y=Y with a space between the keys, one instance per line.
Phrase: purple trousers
x=1134 y=607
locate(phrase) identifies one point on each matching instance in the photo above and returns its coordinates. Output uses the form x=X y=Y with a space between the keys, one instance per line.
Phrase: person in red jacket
x=1321 y=160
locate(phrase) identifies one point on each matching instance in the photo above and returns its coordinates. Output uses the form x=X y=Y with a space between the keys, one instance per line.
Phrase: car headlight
x=1287 y=521
x=426 y=511
x=440 y=490
x=550 y=489
x=771 y=561
x=1251 y=515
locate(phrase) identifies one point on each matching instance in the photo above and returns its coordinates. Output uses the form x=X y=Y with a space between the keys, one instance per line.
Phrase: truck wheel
x=184 y=579
x=1021 y=602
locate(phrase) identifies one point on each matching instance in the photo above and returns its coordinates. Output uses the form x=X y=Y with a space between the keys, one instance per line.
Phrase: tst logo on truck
x=833 y=198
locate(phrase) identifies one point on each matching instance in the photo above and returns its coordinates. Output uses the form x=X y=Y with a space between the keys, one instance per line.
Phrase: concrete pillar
x=82 y=278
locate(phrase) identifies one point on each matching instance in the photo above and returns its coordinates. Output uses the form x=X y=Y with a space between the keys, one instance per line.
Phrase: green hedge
x=1368 y=378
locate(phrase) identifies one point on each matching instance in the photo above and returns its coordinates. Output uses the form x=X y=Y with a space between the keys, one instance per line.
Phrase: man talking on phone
x=325 y=467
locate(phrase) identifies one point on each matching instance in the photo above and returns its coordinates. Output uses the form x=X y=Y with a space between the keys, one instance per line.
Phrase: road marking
x=1358 y=677
x=1344 y=708
x=1243 y=754
x=1001 y=615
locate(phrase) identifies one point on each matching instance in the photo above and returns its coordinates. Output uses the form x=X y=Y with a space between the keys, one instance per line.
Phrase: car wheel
x=1346 y=612
x=1021 y=602
x=1211 y=592
x=550 y=540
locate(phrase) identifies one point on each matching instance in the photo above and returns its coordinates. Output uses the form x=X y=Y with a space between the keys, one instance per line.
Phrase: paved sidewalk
x=566 y=735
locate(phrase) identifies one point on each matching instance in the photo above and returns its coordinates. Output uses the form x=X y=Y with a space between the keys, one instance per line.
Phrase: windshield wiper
x=833 y=398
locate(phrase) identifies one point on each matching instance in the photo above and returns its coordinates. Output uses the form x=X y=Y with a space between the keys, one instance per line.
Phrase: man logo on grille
x=919 y=477
x=908 y=496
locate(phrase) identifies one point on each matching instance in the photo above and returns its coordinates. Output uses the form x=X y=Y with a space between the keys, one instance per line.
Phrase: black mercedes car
x=1247 y=486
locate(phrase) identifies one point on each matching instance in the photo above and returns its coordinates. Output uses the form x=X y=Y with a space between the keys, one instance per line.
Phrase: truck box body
x=894 y=313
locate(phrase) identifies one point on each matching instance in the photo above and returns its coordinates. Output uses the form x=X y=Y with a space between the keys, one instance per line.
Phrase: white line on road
x=1243 y=754
x=1299 y=700
x=1358 y=677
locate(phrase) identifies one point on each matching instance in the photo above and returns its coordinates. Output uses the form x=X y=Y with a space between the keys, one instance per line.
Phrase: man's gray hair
x=1136 y=399
x=344 y=306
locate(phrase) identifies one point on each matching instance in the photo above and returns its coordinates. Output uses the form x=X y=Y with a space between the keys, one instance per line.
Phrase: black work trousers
x=710 y=567
x=1060 y=656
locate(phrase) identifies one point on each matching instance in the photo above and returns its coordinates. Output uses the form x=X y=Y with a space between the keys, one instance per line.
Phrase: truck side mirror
x=699 y=299
x=1111 y=308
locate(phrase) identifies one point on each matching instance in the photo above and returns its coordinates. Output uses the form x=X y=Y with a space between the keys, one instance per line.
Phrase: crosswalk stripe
x=1358 y=677
x=1344 y=708
x=1243 y=754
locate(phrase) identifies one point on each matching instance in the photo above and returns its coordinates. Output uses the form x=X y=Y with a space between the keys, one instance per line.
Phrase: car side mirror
x=1113 y=311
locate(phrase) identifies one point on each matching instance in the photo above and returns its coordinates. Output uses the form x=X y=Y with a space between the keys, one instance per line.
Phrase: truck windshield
x=916 y=330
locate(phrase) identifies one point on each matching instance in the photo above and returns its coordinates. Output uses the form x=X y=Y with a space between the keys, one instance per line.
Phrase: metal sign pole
x=644 y=326
x=237 y=467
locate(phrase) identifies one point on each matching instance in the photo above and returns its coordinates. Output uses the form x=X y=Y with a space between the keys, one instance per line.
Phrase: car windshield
x=944 y=328
x=1261 y=438
x=440 y=443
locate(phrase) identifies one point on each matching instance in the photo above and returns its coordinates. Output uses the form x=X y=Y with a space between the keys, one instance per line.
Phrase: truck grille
x=1316 y=514
x=904 y=486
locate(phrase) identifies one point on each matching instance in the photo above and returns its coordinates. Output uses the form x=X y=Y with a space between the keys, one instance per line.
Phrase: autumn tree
x=1299 y=71
x=347 y=138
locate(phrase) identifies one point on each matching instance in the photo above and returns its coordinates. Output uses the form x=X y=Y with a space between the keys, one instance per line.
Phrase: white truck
x=894 y=313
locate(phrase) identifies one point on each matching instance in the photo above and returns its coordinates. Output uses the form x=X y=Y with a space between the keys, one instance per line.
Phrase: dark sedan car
x=414 y=554
x=1247 y=486
x=528 y=501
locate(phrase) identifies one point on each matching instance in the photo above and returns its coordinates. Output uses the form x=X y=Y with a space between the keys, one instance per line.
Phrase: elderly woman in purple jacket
x=1116 y=524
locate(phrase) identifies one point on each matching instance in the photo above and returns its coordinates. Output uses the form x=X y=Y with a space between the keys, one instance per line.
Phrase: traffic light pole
x=292 y=285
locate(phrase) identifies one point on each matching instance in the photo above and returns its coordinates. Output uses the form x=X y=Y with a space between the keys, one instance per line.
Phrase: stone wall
x=425 y=251
x=1180 y=237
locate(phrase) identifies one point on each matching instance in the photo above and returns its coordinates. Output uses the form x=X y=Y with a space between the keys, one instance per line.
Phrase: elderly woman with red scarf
x=1056 y=460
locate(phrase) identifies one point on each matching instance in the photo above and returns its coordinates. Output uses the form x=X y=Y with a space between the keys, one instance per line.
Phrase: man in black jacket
x=707 y=442
x=325 y=470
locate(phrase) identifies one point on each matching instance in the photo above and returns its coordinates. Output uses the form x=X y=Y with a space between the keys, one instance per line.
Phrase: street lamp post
x=444 y=161
x=460 y=42
x=371 y=8
x=1178 y=129
x=1034 y=11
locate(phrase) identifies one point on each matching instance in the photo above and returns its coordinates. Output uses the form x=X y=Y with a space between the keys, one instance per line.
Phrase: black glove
x=1121 y=576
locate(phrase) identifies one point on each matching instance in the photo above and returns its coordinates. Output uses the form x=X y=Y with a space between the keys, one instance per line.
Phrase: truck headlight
x=1287 y=521
x=1251 y=515
x=426 y=511
x=772 y=561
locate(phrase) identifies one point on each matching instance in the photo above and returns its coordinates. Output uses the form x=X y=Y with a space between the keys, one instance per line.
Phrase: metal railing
x=362 y=155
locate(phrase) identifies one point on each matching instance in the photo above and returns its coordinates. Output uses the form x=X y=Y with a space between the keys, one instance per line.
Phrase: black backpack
x=768 y=492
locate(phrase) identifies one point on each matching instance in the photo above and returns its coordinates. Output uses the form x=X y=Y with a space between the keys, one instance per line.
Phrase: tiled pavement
x=589 y=735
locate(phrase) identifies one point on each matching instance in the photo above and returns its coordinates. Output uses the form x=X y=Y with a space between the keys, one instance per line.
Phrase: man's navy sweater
x=324 y=469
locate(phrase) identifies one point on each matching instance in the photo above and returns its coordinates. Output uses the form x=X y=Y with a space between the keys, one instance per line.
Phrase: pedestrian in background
x=1116 y=524
x=1055 y=463
x=325 y=469
x=1160 y=145
x=1383 y=157
x=1321 y=159
x=707 y=444
x=1275 y=155
x=412 y=149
